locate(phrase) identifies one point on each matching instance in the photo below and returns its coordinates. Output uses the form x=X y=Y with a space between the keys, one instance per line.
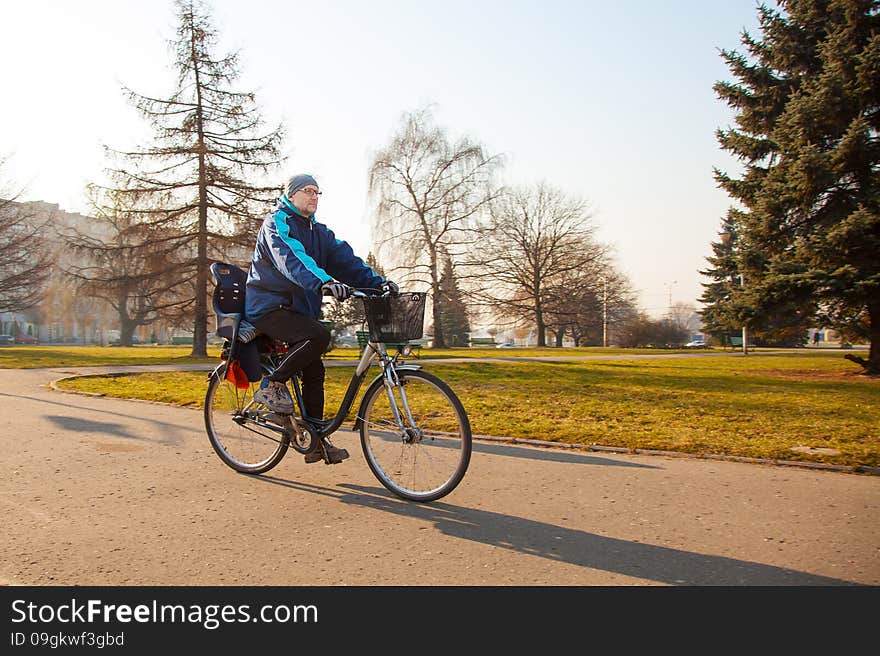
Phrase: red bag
x=236 y=375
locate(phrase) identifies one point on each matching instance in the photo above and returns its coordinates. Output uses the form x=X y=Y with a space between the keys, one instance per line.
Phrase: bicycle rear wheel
x=231 y=419
x=429 y=457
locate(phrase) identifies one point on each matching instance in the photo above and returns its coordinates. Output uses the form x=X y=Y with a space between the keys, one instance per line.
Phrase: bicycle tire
x=425 y=465
x=243 y=446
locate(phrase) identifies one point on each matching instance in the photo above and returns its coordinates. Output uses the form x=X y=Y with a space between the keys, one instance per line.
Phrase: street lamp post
x=745 y=330
x=604 y=311
x=605 y=314
x=725 y=238
x=669 y=292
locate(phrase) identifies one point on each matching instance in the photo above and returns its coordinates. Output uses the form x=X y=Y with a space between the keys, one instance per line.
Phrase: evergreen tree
x=720 y=315
x=453 y=314
x=192 y=187
x=808 y=133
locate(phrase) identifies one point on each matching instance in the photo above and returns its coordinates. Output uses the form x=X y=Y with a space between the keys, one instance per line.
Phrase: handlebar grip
x=326 y=292
x=354 y=292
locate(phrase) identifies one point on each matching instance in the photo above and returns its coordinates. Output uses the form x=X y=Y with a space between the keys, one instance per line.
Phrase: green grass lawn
x=519 y=352
x=30 y=357
x=758 y=406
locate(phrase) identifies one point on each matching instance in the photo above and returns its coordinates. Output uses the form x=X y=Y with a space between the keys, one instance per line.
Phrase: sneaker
x=274 y=396
x=335 y=455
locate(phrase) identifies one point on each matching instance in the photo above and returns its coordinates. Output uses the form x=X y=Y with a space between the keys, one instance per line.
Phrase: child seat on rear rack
x=228 y=298
x=228 y=301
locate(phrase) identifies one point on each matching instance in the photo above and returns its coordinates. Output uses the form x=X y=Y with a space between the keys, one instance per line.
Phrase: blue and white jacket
x=293 y=257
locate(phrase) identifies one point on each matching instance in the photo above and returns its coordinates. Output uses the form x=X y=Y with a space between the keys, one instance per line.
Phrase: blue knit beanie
x=299 y=181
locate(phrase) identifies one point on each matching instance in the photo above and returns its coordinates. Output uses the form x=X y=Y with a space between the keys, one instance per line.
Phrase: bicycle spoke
x=386 y=424
x=415 y=463
x=240 y=442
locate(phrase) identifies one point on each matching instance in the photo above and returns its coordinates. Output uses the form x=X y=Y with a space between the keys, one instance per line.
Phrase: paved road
x=98 y=491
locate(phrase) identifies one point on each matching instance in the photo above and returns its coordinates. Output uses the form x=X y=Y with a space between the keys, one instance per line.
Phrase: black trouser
x=307 y=340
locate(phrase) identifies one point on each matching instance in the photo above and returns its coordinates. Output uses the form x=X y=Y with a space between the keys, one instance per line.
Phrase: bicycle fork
x=407 y=425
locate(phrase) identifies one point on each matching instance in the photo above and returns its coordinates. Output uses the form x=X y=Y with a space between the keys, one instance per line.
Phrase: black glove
x=389 y=286
x=336 y=289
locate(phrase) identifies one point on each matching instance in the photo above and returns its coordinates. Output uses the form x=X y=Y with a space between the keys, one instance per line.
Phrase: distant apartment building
x=64 y=316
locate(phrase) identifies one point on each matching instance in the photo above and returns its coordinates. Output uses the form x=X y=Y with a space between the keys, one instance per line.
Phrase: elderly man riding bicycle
x=296 y=260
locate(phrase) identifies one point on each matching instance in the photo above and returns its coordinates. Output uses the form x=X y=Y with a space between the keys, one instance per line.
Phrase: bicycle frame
x=323 y=428
x=390 y=367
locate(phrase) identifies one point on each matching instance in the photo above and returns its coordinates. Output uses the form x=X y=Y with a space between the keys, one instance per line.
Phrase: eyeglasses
x=311 y=193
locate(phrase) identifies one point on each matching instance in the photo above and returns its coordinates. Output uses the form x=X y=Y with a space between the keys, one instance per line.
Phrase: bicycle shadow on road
x=645 y=561
x=576 y=547
x=553 y=455
x=548 y=454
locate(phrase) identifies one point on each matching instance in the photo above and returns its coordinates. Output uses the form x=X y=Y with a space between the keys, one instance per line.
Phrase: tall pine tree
x=194 y=186
x=808 y=133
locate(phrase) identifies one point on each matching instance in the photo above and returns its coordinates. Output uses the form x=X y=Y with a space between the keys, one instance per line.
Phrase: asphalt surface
x=100 y=491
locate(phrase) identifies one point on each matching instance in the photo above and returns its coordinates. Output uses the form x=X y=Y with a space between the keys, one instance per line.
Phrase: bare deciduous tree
x=428 y=193
x=128 y=264
x=24 y=261
x=536 y=239
x=589 y=303
x=685 y=316
x=192 y=186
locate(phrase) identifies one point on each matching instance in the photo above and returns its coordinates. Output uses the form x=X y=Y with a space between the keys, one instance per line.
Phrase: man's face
x=306 y=200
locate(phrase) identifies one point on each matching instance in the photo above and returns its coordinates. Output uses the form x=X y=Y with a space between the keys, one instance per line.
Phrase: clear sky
x=609 y=101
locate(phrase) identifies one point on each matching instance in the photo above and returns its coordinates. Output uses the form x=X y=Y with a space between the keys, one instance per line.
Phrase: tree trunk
x=439 y=338
x=200 y=327
x=874 y=353
x=872 y=364
x=560 y=334
x=126 y=330
x=436 y=303
x=540 y=326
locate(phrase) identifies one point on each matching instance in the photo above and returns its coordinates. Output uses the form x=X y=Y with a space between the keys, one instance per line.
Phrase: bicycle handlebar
x=366 y=292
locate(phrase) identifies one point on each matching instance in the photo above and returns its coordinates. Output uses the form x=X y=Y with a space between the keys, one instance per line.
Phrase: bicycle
x=414 y=432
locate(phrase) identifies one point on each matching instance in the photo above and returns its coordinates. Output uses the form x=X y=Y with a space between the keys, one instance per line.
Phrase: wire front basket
x=395 y=319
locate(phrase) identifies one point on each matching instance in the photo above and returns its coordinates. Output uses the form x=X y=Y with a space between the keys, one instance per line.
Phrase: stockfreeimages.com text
x=210 y=616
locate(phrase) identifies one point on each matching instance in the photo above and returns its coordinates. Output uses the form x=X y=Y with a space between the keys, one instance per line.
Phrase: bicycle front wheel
x=428 y=456
x=235 y=431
